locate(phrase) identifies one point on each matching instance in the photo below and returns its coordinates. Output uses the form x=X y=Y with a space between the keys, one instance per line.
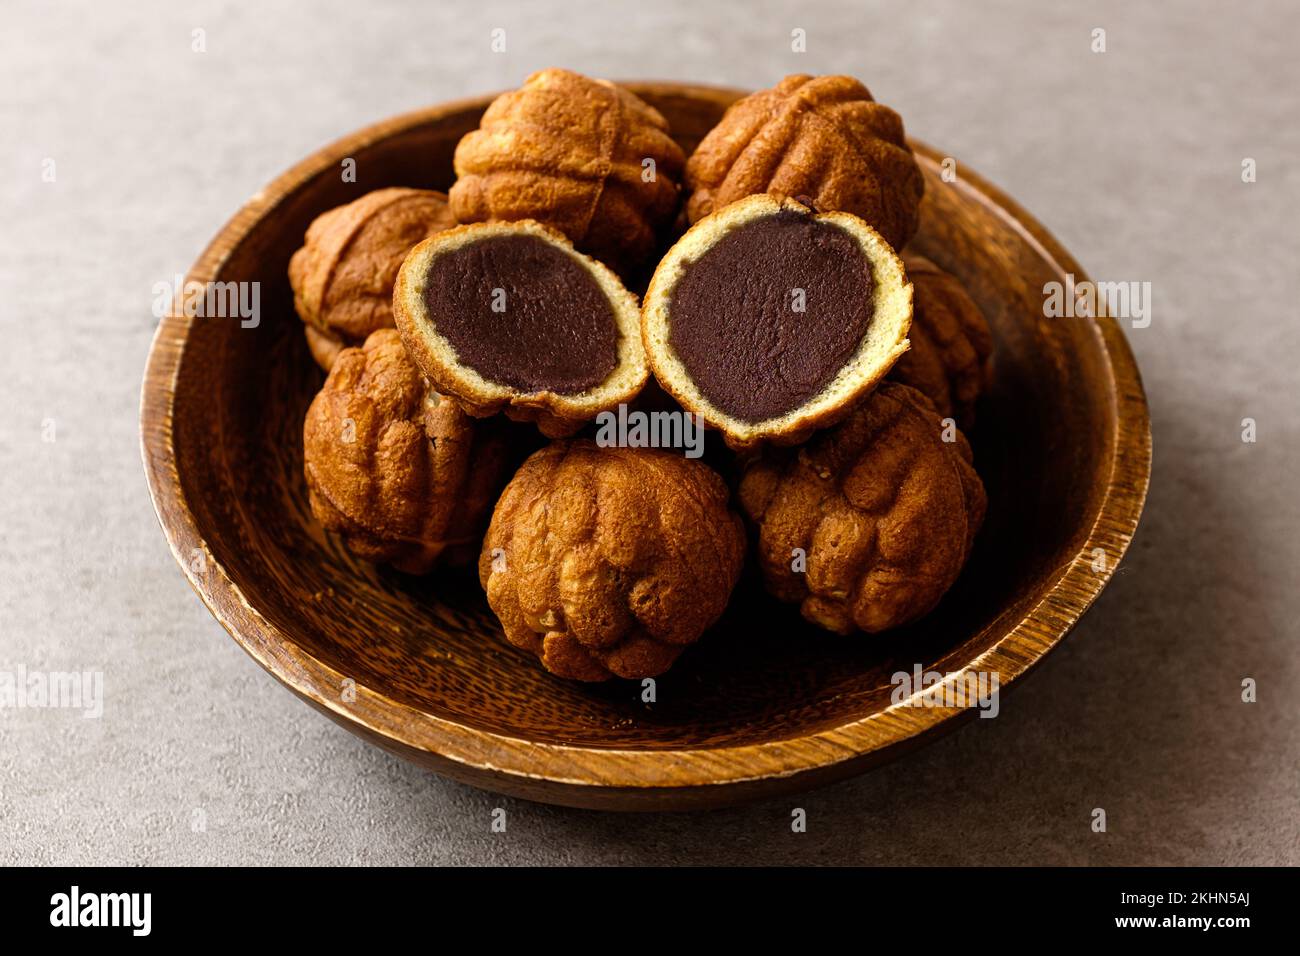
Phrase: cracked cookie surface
x=609 y=562
x=869 y=524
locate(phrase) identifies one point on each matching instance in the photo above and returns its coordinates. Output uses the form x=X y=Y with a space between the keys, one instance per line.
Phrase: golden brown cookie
x=771 y=320
x=583 y=156
x=403 y=475
x=324 y=347
x=343 y=276
x=510 y=317
x=869 y=524
x=823 y=137
x=609 y=562
x=951 y=342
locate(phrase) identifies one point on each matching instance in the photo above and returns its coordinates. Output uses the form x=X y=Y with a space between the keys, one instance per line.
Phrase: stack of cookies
x=777 y=307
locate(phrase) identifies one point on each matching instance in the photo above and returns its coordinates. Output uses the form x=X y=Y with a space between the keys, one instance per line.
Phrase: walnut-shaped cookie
x=951 y=342
x=403 y=475
x=868 y=525
x=510 y=317
x=343 y=276
x=583 y=156
x=818 y=136
x=609 y=562
x=771 y=320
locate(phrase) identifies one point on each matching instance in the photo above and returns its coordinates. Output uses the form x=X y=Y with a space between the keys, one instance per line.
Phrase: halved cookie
x=771 y=320
x=509 y=316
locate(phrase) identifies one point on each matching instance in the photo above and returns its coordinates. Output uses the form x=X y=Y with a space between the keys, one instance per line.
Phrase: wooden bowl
x=765 y=703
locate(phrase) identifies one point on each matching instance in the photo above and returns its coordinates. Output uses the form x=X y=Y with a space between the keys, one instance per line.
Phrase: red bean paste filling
x=734 y=323
x=523 y=313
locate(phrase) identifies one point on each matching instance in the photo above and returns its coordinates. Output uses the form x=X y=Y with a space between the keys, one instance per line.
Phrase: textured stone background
x=1131 y=157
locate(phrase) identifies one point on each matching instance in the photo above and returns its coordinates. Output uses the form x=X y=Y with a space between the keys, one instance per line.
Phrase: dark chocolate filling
x=734 y=319
x=522 y=313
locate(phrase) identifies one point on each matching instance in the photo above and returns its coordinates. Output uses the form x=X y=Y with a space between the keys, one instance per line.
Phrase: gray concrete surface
x=1132 y=157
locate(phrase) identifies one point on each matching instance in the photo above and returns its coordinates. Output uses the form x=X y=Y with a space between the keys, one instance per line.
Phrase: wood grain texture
x=765 y=704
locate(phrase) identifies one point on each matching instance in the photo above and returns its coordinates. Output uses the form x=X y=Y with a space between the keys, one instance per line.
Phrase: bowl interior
x=1043 y=446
